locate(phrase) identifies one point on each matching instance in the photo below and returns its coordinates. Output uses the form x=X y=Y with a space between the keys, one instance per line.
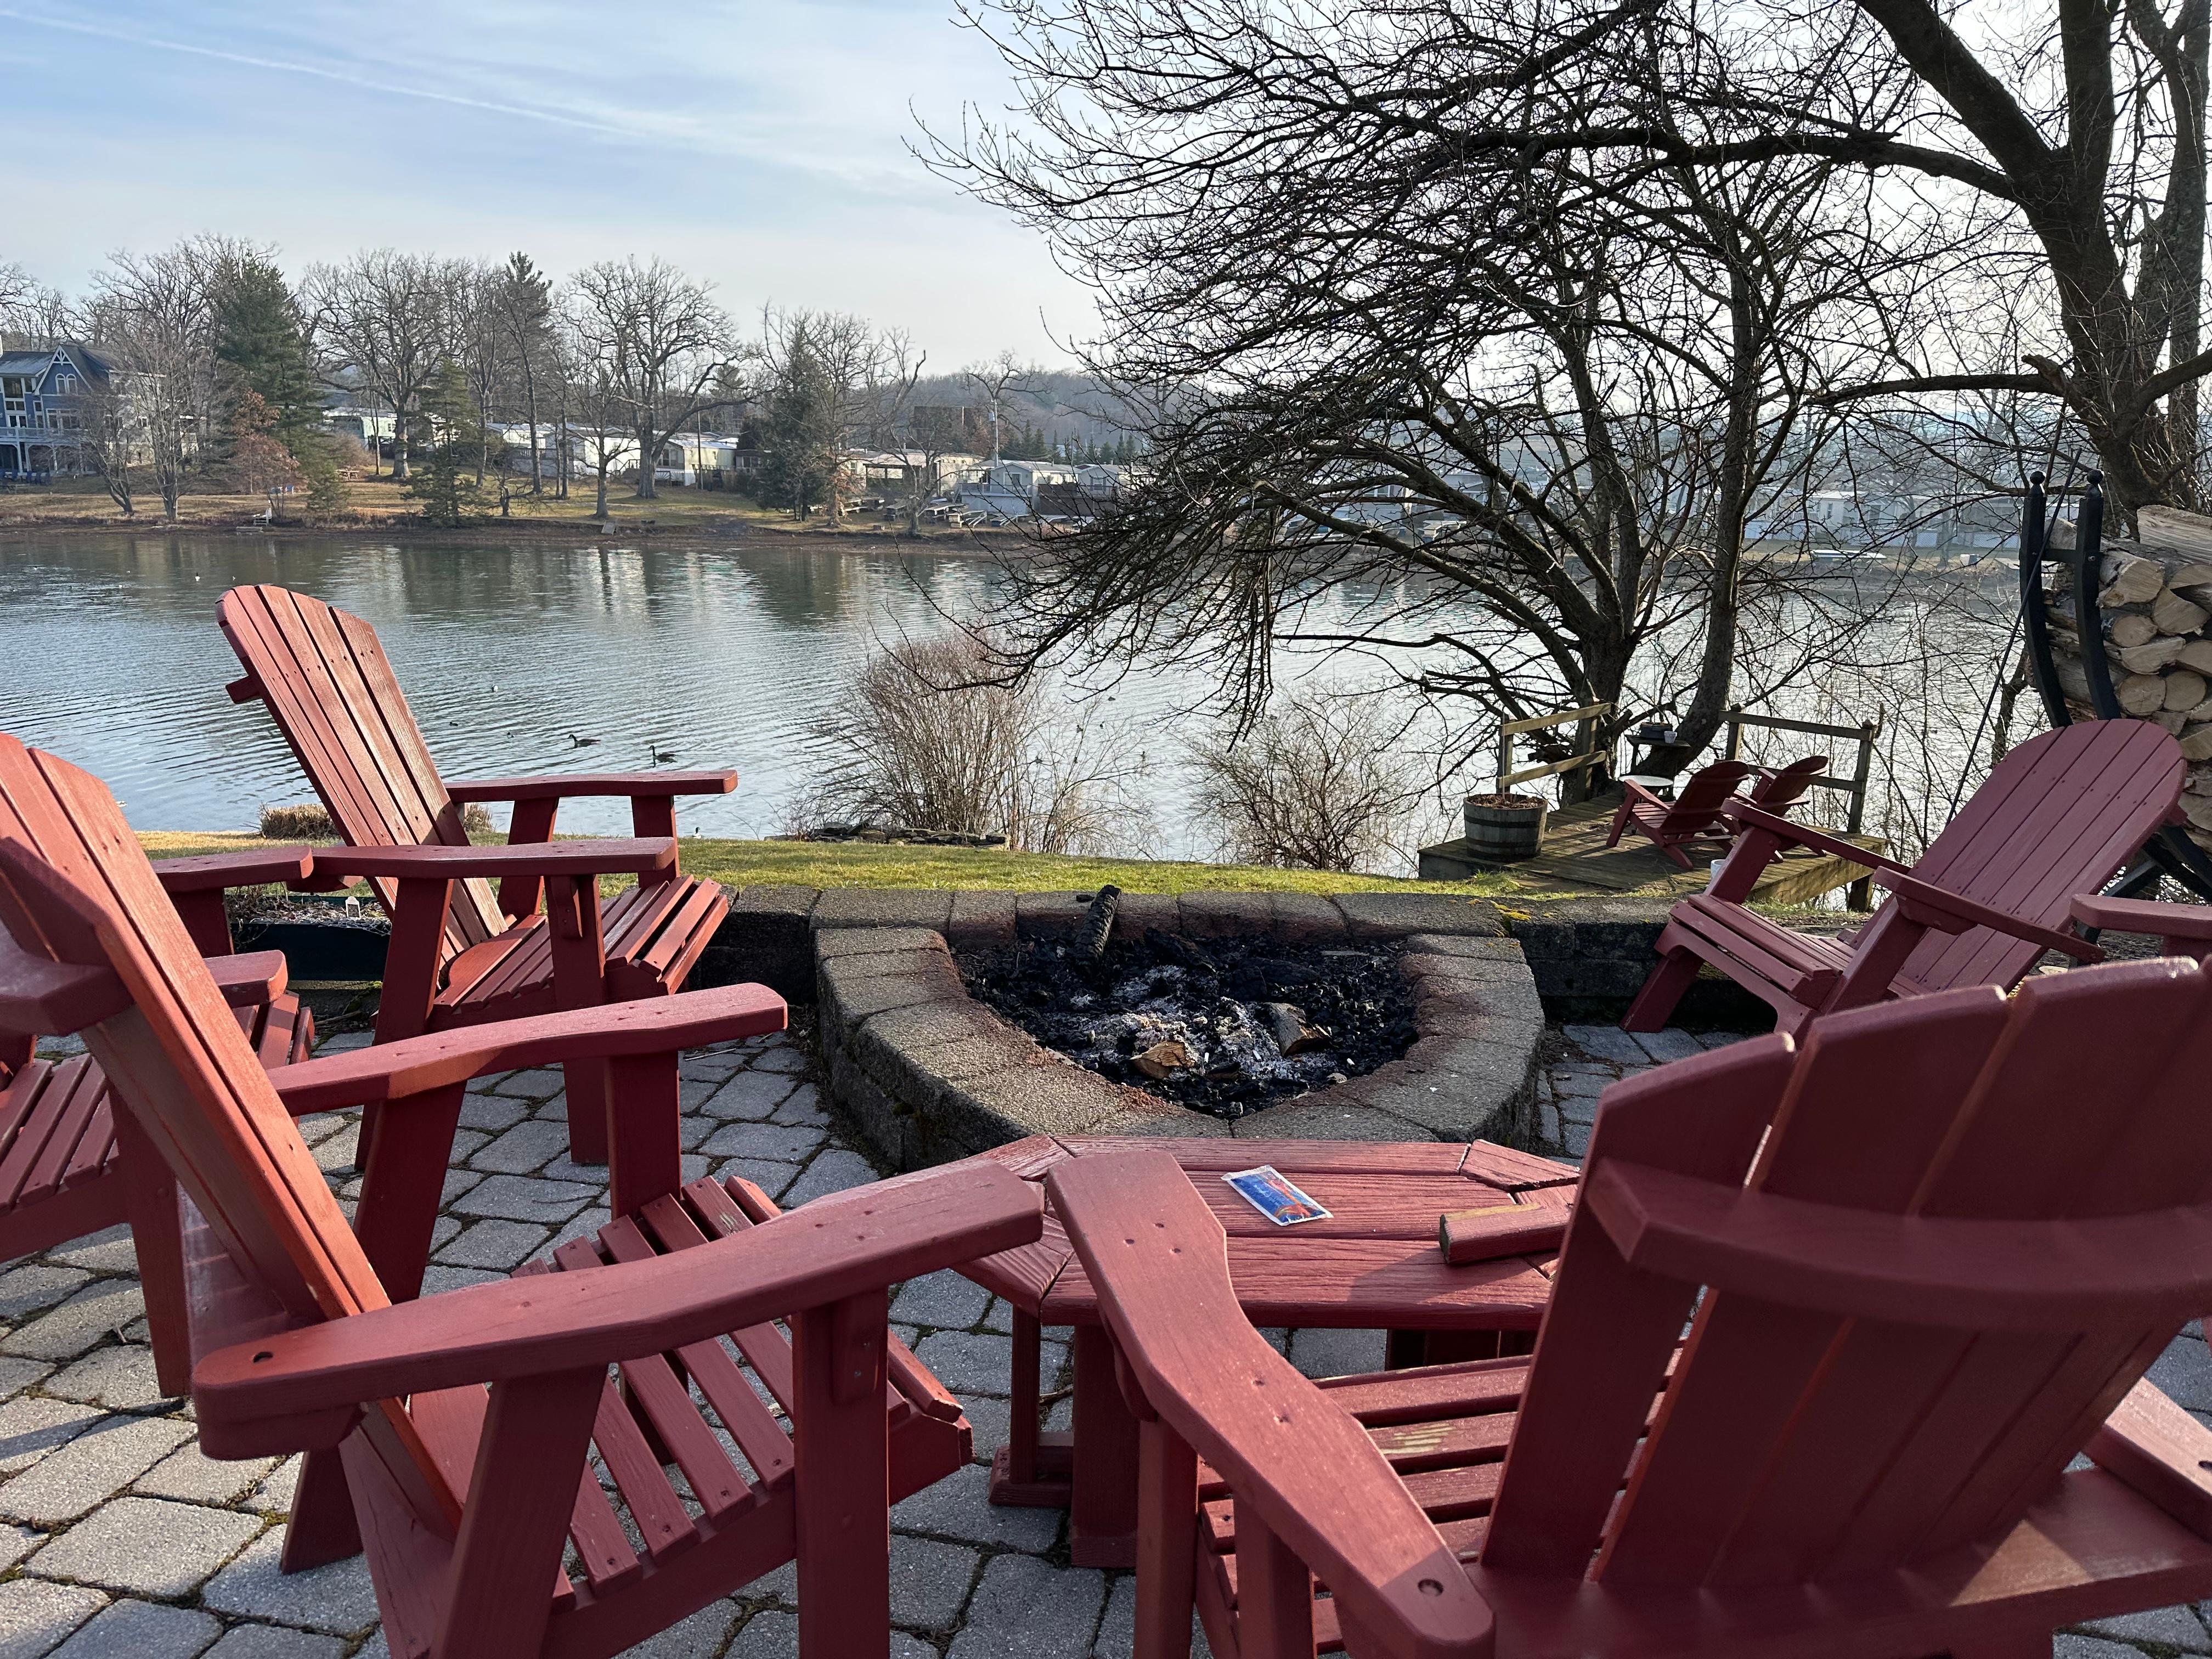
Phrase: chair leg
x=1657 y=1001
x=1274 y=1594
x=645 y=1158
x=1619 y=824
x=522 y=1489
x=150 y=1199
x=406 y=1144
x=590 y=1098
x=1167 y=1542
x=321 y=1527
x=842 y=1446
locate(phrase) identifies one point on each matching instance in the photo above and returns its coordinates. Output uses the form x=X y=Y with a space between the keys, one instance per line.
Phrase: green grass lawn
x=817 y=864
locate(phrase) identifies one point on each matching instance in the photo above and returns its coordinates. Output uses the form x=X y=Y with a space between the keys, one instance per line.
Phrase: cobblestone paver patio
x=119 y=1540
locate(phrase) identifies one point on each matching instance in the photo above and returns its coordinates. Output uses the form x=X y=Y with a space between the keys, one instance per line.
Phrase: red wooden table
x=1374 y=1265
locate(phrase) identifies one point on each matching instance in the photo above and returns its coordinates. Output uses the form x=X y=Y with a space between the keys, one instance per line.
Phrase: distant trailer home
x=43 y=397
x=370 y=427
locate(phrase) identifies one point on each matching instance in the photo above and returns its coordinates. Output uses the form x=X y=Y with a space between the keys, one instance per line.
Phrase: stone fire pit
x=925 y=1073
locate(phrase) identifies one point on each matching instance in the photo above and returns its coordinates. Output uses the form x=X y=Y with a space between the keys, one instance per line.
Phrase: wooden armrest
x=1632 y=791
x=2143 y=916
x=1953 y=912
x=595 y=783
x=38 y=998
x=2044 y=1275
x=1159 y=1261
x=259 y=868
x=559 y=858
x=833 y=1249
x=2152 y=1445
x=414 y=1066
x=250 y=978
x=1750 y=817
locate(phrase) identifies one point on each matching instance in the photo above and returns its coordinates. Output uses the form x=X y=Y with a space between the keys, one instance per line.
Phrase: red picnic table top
x=1374 y=1264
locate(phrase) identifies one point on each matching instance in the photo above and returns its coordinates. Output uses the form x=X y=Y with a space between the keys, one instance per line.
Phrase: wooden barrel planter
x=1505 y=826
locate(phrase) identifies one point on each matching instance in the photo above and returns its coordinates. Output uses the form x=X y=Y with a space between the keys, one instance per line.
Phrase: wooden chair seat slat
x=654 y=1384
x=70 y=1111
x=603 y=1548
x=95 y=1147
x=33 y=1098
x=764 y=1440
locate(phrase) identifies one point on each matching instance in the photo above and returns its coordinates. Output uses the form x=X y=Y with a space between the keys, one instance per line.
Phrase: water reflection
x=727 y=655
x=113 y=659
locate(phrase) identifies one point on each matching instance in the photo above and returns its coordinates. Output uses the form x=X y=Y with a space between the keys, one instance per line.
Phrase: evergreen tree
x=261 y=343
x=451 y=416
x=799 y=439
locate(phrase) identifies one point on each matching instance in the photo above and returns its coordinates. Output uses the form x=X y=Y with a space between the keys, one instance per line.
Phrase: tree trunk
x=599 y=504
x=399 y=442
x=649 y=456
x=530 y=400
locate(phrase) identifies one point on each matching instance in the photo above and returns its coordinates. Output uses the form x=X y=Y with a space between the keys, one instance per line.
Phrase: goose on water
x=582 y=743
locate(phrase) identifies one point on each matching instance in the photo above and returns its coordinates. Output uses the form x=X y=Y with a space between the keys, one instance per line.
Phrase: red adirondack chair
x=1785 y=786
x=1924 y=1262
x=63 y=1171
x=2056 y=817
x=453 y=1435
x=461 y=953
x=1694 y=815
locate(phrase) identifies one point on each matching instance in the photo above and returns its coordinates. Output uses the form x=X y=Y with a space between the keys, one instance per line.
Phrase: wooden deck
x=1575 y=857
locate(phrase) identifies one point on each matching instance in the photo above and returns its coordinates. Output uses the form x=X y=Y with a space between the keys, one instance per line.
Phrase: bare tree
x=1321 y=782
x=381 y=320
x=662 y=349
x=830 y=379
x=32 y=312
x=1390 y=365
x=153 y=316
x=922 y=738
x=112 y=439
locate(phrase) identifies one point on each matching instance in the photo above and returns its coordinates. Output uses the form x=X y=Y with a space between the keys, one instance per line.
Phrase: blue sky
x=756 y=142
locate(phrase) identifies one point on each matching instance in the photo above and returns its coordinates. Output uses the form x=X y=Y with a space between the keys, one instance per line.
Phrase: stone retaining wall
x=1588 y=957
x=925 y=1073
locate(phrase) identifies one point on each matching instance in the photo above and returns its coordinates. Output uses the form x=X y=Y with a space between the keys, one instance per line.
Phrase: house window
x=64 y=384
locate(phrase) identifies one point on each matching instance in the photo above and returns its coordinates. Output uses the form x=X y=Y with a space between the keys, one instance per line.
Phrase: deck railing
x=1585 y=753
x=1860 y=894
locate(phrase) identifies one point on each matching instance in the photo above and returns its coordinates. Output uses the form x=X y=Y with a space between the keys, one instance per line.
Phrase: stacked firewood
x=2155 y=595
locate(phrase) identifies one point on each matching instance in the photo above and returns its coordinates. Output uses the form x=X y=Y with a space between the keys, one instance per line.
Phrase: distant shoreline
x=976 y=544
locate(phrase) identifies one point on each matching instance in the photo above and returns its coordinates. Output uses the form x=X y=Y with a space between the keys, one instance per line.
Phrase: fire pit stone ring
x=927 y=1073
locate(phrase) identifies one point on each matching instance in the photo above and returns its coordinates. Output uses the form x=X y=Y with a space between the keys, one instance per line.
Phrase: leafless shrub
x=313 y=822
x=309 y=822
x=924 y=735
x=1320 y=783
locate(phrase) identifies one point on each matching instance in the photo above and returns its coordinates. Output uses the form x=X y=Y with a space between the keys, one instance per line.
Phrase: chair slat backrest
x=178 y=1060
x=2057 y=816
x=1787 y=786
x=1794 y=1445
x=324 y=677
x=1698 y=803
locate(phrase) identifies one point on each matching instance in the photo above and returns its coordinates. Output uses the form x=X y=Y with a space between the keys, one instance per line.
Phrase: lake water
x=113 y=661
x=110 y=656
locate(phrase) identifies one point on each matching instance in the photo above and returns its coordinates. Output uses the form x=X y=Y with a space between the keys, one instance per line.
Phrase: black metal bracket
x=2168 y=849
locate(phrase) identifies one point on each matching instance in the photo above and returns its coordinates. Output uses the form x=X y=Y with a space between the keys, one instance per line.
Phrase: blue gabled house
x=43 y=394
